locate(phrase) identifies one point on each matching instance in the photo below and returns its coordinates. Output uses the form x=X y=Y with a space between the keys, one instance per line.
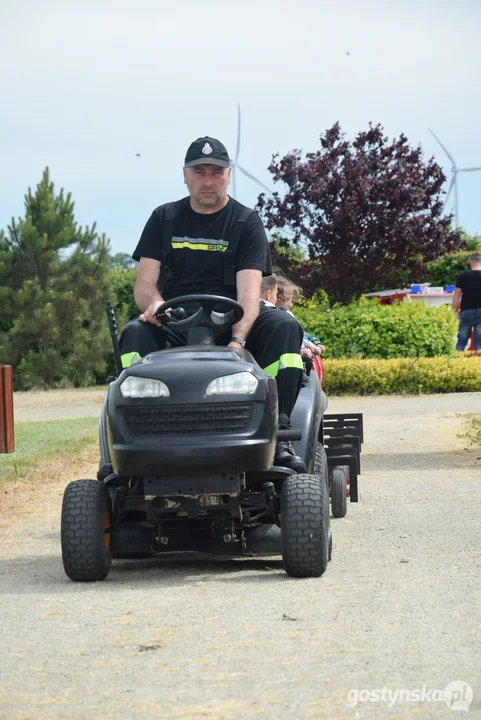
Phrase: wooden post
x=7 y=442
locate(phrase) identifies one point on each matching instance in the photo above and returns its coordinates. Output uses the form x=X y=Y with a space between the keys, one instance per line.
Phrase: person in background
x=288 y=293
x=467 y=303
x=269 y=290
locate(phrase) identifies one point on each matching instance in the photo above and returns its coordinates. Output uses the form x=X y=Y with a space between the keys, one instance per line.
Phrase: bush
x=446 y=269
x=122 y=282
x=121 y=285
x=402 y=376
x=370 y=330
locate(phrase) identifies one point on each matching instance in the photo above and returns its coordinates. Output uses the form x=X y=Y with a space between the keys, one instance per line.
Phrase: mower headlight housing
x=243 y=383
x=140 y=387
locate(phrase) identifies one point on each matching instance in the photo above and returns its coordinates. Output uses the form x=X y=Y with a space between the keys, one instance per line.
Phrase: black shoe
x=286 y=457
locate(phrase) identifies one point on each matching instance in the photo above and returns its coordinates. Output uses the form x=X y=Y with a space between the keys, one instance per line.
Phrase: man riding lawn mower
x=196 y=431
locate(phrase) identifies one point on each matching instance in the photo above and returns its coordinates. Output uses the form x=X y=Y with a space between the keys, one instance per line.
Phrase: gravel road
x=203 y=637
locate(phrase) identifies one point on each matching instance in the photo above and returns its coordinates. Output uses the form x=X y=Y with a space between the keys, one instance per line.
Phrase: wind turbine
x=235 y=163
x=454 y=180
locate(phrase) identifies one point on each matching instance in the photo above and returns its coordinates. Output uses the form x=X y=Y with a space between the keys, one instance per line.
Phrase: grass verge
x=47 y=443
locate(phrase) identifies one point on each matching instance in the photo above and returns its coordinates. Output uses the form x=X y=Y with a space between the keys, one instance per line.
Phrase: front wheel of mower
x=86 y=531
x=339 y=493
x=321 y=469
x=304 y=529
x=320 y=464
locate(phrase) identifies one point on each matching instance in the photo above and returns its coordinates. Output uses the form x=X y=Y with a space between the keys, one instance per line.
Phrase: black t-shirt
x=198 y=244
x=470 y=283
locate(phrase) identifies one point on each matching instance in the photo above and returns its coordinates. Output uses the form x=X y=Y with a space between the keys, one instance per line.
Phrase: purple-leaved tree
x=368 y=214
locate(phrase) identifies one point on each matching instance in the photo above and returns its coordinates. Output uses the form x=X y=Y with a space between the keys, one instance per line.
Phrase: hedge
x=122 y=281
x=402 y=376
x=121 y=285
x=370 y=330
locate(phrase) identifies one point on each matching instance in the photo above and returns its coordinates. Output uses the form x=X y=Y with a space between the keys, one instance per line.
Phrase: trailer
x=342 y=435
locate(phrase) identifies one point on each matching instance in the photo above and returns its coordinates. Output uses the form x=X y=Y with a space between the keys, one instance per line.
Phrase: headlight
x=139 y=387
x=243 y=383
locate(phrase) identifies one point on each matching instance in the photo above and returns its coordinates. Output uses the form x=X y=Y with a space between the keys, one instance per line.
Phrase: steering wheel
x=206 y=316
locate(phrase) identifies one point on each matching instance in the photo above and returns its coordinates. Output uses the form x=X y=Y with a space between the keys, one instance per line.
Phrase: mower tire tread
x=303 y=535
x=86 y=552
x=320 y=462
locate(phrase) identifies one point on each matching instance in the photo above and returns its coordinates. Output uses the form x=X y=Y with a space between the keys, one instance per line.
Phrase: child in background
x=289 y=293
x=269 y=290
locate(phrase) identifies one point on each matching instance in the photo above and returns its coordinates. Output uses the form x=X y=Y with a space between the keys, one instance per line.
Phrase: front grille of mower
x=206 y=419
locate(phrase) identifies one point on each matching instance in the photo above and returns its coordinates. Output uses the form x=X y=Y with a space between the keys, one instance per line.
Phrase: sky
x=86 y=85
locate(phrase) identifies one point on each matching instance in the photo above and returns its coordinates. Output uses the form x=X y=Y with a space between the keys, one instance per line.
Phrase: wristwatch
x=239 y=340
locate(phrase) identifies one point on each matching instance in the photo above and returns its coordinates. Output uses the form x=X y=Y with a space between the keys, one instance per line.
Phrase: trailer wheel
x=86 y=531
x=339 y=492
x=304 y=531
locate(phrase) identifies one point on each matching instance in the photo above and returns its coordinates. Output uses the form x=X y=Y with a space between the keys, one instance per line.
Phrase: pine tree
x=53 y=284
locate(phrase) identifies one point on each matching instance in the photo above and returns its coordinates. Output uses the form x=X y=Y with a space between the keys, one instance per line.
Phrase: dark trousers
x=469 y=319
x=274 y=340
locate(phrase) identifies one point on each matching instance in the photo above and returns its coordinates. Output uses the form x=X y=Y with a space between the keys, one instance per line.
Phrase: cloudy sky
x=85 y=85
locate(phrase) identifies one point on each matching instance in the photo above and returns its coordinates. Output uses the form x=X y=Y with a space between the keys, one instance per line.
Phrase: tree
x=368 y=213
x=122 y=281
x=123 y=260
x=53 y=284
x=293 y=253
x=446 y=269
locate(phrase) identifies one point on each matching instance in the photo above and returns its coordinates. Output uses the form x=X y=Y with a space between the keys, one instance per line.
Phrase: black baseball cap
x=207 y=151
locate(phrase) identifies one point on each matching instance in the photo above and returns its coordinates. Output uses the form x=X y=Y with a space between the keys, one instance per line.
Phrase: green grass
x=38 y=443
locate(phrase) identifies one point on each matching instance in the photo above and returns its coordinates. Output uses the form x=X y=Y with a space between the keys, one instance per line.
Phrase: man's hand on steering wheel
x=208 y=313
x=149 y=314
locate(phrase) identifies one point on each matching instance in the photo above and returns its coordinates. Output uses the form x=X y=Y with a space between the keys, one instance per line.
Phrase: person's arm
x=248 y=294
x=313 y=347
x=312 y=338
x=147 y=252
x=457 y=299
x=146 y=293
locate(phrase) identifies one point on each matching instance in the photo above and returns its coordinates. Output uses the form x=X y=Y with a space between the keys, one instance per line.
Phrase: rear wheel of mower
x=304 y=530
x=86 y=531
x=339 y=492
